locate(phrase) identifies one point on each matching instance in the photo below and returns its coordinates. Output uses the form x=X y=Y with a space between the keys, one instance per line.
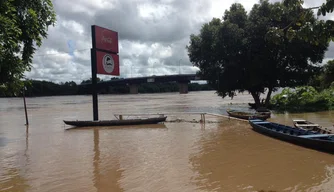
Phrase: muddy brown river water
x=221 y=155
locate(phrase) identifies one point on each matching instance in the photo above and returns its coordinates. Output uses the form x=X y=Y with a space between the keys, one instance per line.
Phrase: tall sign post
x=104 y=59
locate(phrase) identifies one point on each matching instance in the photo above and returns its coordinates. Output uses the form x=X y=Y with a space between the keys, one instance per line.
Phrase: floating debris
x=191 y=121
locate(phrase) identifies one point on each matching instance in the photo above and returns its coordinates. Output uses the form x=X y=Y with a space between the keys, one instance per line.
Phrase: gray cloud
x=153 y=35
x=174 y=24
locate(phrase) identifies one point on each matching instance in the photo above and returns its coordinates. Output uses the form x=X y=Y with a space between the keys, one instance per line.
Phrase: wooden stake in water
x=25 y=106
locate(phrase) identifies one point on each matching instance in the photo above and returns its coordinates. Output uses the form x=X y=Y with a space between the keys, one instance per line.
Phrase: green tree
x=240 y=53
x=304 y=98
x=89 y=81
x=325 y=78
x=328 y=74
x=324 y=30
x=23 y=25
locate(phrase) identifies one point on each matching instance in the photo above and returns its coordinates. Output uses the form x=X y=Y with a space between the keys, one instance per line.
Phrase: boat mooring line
x=226 y=116
x=202 y=120
x=191 y=121
x=120 y=116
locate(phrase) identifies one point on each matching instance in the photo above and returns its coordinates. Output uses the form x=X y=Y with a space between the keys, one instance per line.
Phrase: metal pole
x=25 y=105
x=180 y=66
x=94 y=91
x=94 y=78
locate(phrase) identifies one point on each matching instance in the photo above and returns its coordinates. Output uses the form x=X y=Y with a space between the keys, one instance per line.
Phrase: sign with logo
x=105 y=39
x=107 y=63
x=104 y=59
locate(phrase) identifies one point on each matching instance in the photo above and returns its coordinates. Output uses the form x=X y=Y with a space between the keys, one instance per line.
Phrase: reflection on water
x=225 y=156
x=104 y=179
x=13 y=181
x=247 y=161
x=11 y=178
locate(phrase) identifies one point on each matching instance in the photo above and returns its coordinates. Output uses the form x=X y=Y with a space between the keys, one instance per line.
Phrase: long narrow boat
x=305 y=138
x=154 y=120
x=247 y=116
x=307 y=125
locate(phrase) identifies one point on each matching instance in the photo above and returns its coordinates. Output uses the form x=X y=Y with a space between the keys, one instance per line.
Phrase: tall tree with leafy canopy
x=240 y=52
x=23 y=25
x=329 y=73
x=325 y=79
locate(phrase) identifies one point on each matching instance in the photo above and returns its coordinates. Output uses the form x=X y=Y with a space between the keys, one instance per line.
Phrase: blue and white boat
x=305 y=138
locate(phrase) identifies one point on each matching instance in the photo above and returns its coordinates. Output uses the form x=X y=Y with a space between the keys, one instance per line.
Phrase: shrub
x=304 y=99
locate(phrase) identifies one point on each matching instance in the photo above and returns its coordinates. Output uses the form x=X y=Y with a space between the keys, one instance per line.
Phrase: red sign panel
x=105 y=39
x=107 y=63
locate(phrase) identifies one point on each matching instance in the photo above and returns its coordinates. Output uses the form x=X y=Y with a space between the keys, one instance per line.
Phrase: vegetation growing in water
x=304 y=99
x=318 y=96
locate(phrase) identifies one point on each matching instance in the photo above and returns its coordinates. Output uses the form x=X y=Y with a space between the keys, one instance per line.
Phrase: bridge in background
x=133 y=83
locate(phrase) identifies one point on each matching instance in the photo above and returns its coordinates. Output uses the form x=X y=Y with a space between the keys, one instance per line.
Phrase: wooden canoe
x=154 y=120
x=247 y=115
x=305 y=138
x=307 y=125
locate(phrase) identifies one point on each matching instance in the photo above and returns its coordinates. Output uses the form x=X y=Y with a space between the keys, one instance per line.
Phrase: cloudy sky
x=153 y=35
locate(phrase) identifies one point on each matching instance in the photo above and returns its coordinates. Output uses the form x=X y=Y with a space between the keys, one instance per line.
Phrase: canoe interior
x=307 y=125
x=247 y=115
x=303 y=122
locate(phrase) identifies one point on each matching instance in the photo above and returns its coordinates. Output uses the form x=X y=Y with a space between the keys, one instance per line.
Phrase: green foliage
x=325 y=78
x=23 y=25
x=328 y=73
x=301 y=28
x=327 y=7
x=249 y=52
x=303 y=99
x=89 y=81
x=46 y=88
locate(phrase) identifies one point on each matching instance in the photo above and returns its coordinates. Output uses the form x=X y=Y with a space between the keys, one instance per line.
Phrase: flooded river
x=222 y=155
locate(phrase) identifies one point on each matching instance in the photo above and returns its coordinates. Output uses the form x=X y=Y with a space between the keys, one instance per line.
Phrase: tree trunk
x=256 y=98
x=270 y=90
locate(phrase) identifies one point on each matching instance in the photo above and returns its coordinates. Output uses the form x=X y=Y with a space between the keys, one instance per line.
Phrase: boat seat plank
x=316 y=135
x=255 y=120
x=307 y=125
x=263 y=122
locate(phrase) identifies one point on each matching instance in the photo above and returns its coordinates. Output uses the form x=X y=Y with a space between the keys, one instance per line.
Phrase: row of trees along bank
x=46 y=88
